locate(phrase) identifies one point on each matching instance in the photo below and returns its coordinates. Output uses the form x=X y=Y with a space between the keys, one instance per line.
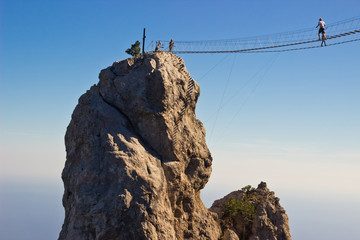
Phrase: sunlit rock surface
x=127 y=176
x=269 y=221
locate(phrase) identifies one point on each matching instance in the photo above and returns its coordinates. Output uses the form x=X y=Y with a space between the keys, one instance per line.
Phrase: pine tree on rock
x=134 y=50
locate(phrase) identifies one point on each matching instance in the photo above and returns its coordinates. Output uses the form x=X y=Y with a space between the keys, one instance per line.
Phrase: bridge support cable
x=303 y=48
x=246 y=99
x=257 y=75
x=222 y=98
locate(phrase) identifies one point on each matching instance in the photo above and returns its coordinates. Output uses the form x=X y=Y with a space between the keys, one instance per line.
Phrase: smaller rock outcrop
x=252 y=214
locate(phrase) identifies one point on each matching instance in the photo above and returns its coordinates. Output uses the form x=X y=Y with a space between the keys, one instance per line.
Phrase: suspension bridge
x=341 y=32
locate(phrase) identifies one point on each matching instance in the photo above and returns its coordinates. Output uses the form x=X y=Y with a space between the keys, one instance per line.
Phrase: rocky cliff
x=253 y=214
x=137 y=157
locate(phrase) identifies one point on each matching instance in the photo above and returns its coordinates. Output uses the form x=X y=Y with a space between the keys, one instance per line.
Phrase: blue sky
x=295 y=125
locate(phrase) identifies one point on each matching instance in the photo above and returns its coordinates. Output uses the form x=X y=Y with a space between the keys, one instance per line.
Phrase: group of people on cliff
x=159 y=45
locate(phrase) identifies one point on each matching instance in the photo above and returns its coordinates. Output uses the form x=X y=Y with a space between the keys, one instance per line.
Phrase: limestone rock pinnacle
x=137 y=160
x=127 y=174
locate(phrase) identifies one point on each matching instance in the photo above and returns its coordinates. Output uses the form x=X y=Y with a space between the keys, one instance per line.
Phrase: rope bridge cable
x=222 y=98
x=260 y=80
x=303 y=48
x=286 y=40
x=259 y=49
x=264 y=68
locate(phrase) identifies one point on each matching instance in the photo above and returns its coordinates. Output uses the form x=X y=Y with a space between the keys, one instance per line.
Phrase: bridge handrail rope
x=342 y=29
x=303 y=48
x=275 y=46
x=343 y=23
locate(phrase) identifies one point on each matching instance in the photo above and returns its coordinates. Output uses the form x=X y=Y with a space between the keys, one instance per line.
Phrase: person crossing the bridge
x=322 y=25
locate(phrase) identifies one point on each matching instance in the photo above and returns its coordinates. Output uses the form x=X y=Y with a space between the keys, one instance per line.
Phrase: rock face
x=137 y=160
x=129 y=174
x=269 y=221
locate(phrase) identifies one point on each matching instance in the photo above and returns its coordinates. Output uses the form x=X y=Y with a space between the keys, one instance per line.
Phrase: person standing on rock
x=171 y=45
x=158 y=46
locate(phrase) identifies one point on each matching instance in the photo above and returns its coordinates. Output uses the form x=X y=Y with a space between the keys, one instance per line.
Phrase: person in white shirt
x=158 y=46
x=322 y=25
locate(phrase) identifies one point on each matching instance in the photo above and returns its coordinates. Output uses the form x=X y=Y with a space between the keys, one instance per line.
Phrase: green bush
x=242 y=208
x=240 y=214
